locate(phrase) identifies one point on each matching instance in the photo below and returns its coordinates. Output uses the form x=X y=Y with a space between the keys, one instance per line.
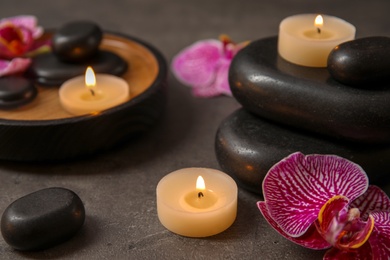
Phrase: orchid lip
x=343 y=227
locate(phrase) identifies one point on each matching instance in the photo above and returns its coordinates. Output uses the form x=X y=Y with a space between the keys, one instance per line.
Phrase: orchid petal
x=311 y=239
x=380 y=237
x=28 y=37
x=373 y=199
x=362 y=253
x=16 y=65
x=220 y=84
x=196 y=64
x=297 y=187
x=27 y=21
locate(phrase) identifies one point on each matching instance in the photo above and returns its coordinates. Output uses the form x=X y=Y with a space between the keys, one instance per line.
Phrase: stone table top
x=118 y=186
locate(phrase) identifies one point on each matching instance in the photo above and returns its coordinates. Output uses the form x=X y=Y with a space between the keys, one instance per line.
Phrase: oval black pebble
x=362 y=62
x=42 y=219
x=16 y=91
x=247 y=147
x=77 y=41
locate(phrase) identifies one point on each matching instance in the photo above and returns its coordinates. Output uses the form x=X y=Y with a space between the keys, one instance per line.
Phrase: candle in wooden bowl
x=92 y=94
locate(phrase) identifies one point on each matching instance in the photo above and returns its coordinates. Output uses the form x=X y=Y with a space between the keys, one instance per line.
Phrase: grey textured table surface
x=118 y=187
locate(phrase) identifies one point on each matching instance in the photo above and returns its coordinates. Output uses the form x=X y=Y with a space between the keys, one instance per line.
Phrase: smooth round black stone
x=247 y=146
x=307 y=98
x=49 y=71
x=42 y=219
x=77 y=41
x=362 y=62
x=16 y=91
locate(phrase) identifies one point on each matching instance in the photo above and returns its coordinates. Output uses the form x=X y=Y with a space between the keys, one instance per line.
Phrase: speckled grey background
x=118 y=187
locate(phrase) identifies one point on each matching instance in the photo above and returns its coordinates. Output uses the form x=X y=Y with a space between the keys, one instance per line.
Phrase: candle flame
x=90 y=79
x=200 y=185
x=319 y=21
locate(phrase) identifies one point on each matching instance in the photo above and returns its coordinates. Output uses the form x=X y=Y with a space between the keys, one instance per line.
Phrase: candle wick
x=200 y=194
x=92 y=92
x=318 y=30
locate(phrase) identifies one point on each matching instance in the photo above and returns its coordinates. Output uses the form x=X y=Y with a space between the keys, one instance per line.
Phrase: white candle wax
x=108 y=92
x=303 y=43
x=182 y=210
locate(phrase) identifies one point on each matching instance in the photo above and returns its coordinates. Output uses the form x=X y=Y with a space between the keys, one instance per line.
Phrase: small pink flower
x=204 y=66
x=17 y=39
x=324 y=201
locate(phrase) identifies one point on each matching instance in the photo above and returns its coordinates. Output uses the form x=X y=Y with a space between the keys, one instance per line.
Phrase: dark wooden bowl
x=43 y=131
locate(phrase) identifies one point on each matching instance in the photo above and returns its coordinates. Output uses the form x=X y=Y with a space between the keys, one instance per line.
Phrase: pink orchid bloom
x=324 y=201
x=17 y=38
x=204 y=66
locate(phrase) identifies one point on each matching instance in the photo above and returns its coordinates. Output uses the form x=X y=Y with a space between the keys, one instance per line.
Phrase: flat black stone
x=307 y=98
x=247 y=146
x=42 y=219
x=77 y=41
x=50 y=71
x=362 y=62
x=16 y=91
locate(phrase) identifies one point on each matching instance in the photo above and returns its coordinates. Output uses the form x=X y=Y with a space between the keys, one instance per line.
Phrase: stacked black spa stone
x=343 y=109
x=75 y=47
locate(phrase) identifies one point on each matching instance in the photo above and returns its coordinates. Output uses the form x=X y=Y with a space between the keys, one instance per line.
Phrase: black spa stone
x=362 y=62
x=16 y=91
x=307 y=98
x=247 y=146
x=42 y=219
x=48 y=70
x=77 y=41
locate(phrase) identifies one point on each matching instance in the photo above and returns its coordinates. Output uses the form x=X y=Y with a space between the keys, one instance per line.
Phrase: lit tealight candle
x=308 y=39
x=91 y=94
x=197 y=202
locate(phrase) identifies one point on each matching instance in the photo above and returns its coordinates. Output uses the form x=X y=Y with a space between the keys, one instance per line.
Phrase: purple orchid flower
x=17 y=39
x=324 y=201
x=204 y=66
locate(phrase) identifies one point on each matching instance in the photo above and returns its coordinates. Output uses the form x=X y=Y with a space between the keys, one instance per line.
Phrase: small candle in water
x=93 y=93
